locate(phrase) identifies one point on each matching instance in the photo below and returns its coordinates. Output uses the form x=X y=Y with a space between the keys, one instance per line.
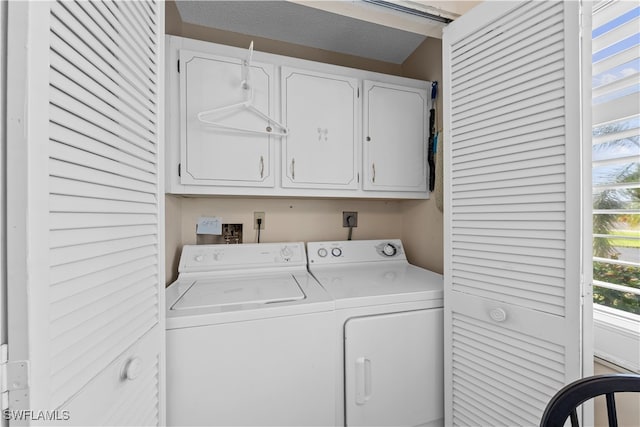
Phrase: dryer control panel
x=202 y=258
x=355 y=251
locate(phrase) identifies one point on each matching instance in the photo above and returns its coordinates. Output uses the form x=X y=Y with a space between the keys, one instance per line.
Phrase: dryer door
x=394 y=369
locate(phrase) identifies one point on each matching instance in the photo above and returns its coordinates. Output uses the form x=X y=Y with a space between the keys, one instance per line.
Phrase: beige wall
x=286 y=220
x=417 y=223
x=422 y=231
x=628 y=404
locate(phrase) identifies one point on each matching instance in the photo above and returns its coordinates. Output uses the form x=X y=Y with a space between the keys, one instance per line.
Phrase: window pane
x=617 y=148
x=616 y=174
x=626 y=198
x=625 y=301
x=614 y=23
x=619 y=93
x=618 y=275
x=616 y=153
x=616 y=73
x=621 y=247
x=626 y=43
x=632 y=123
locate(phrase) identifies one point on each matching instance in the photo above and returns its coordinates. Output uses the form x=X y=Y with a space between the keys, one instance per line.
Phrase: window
x=616 y=181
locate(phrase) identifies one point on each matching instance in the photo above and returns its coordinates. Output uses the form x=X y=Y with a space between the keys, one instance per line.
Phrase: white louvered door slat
x=69 y=29
x=60 y=168
x=61 y=238
x=92 y=65
x=130 y=157
x=513 y=266
x=86 y=156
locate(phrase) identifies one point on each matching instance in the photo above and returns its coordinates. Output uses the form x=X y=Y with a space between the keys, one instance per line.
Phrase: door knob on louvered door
x=132 y=369
x=498 y=314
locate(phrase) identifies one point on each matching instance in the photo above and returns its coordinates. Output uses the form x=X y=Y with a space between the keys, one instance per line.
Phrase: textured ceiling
x=295 y=23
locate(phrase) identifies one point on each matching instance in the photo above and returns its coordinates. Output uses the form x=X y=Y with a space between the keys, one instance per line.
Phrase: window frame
x=616 y=335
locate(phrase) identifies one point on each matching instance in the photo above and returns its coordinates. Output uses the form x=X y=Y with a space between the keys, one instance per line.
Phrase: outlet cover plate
x=257 y=215
x=345 y=221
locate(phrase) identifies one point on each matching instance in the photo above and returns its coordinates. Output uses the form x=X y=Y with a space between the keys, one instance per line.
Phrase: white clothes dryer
x=389 y=333
x=249 y=338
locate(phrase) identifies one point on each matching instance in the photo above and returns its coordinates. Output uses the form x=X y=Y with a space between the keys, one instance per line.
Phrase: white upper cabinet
x=395 y=137
x=212 y=152
x=321 y=113
x=294 y=129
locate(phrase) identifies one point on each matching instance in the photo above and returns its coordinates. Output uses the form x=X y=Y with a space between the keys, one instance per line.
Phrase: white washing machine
x=389 y=333
x=249 y=338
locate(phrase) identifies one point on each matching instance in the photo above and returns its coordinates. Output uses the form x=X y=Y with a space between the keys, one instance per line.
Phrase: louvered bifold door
x=513 y=210
x=86 y=294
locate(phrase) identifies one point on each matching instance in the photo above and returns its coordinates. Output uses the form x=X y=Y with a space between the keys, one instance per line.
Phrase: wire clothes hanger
x=247 y=104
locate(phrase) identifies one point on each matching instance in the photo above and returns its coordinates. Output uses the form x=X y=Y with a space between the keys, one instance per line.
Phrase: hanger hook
x=246 y=64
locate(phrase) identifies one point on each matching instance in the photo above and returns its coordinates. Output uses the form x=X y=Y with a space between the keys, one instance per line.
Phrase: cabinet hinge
x=179 y=169
x=4 y=357
x=13 y=375
x=178 y=65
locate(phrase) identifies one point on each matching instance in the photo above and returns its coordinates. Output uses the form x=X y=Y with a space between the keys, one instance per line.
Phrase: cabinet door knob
x=373 y=169
x=261 y=167
x=368 y=138
x=293 y=168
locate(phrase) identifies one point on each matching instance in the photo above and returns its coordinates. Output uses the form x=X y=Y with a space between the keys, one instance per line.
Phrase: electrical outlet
x=349 y=219
x=257 y=215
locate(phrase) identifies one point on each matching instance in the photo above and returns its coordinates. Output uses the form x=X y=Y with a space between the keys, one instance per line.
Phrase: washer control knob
x=336 y=252
x=198 y=258
x=286 y=252
x=322 y=252
x=389 y=250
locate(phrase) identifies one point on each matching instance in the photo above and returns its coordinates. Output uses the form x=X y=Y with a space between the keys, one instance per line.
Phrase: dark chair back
x=566 y=401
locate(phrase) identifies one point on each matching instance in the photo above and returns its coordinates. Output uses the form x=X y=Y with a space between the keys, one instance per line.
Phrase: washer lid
x=234 y=291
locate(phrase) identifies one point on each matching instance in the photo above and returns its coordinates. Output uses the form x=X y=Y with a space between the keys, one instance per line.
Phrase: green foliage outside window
x=619 y=225
x=619 y=275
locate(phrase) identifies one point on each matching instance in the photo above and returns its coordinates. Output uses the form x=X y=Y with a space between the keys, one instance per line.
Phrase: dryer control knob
x=198 y=258
x=322 y=252
x=336 y=251
x=389 y=249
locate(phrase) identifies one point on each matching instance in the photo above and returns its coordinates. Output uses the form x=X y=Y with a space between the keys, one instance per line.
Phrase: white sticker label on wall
x=209 y=225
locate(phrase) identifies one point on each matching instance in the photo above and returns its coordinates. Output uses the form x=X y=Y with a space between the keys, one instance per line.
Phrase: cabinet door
x=395 y=137
x=321 y=113
x=213 y=155
x=393 y=369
